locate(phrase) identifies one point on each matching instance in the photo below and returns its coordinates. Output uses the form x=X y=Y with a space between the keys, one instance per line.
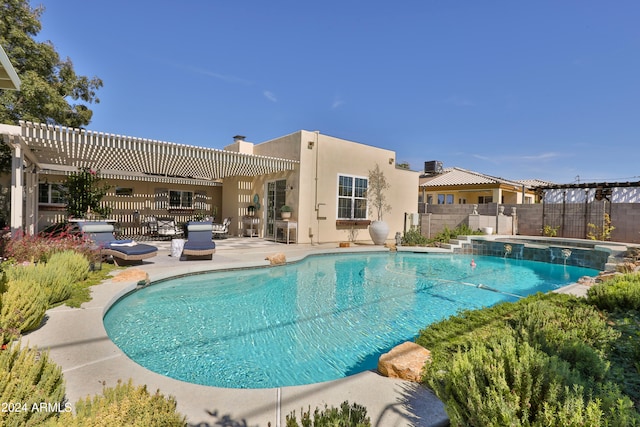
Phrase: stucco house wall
x=314 y=195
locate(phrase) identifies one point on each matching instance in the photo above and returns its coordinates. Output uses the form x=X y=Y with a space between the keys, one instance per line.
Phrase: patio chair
x=199 y=244
x=221 y=230
x=123 y=252
x=167 y=227
x=152 y=226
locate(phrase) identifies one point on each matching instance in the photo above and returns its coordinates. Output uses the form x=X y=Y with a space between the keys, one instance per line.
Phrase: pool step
x=459 y=245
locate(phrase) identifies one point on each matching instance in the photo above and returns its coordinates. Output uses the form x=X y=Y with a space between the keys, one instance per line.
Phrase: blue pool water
x=320 y=319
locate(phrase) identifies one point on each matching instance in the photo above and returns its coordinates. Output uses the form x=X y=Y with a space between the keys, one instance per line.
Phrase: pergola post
x=17 y=189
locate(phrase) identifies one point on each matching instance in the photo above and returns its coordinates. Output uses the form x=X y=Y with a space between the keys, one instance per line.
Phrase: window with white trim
x=352 y=197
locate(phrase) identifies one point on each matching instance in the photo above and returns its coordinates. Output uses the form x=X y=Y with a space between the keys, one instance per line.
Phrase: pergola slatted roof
x=61 y=148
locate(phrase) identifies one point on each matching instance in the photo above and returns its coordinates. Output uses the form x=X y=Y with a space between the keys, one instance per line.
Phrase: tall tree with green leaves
x=50 y=91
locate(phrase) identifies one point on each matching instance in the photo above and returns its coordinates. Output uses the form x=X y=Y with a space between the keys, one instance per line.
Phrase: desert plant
x=34 y=248
x=376 y=188
x=543 y=360
x=346 y=416
x=22 y=308
x=501 y=381
x=549 y=231
x=76 y=265
x=28 y=379
x=51 y=278
x=601 y=232
x=124 y=404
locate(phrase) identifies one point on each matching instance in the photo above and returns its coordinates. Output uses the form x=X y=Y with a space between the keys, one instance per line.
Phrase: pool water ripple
x=320 y=319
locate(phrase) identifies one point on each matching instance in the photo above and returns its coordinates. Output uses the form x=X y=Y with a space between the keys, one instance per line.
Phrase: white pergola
x=8 y=76
x=42 y=148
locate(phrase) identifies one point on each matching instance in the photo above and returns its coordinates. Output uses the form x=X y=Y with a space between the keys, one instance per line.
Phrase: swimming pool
x=323 y=318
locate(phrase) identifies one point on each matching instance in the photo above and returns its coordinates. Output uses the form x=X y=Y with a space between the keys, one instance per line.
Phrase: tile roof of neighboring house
x=459 y=176
x=532 y=183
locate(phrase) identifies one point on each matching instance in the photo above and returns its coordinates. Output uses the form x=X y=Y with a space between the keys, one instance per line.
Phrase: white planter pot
x=378 y=230
x=487 y=230
x=285 y=215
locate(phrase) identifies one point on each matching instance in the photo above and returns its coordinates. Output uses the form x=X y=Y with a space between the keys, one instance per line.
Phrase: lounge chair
x=199 y=244
x=221 y=230
x=123 y=251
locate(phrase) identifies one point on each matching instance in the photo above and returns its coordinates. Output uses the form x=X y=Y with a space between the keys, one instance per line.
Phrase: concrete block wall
x=625 y=218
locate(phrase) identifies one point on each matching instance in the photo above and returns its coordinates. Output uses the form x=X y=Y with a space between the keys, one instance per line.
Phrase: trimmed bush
x=124 y=404
x=619 y=292
x=346 y=416
x=22 y=308
x=29 y=379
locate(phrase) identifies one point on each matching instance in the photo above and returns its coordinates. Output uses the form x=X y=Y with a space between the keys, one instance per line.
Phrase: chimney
x=238 y=138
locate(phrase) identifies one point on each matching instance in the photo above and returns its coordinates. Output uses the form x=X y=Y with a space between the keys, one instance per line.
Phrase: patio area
x=78 y=342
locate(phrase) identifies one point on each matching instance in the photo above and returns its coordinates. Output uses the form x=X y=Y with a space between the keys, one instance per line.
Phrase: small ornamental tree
x=84 y=193
x=376 y=188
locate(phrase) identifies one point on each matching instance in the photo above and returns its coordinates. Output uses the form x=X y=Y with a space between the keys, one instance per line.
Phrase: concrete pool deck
x=77 y=341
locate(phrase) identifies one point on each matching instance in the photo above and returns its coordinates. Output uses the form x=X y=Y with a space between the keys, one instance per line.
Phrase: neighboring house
x=322 y=178
x=460 y=186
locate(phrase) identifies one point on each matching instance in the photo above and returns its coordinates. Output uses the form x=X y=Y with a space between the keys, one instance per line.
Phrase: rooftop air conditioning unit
x=433 y=167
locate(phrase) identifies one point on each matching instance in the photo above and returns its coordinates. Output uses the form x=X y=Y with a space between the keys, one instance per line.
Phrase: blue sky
x=542 y=89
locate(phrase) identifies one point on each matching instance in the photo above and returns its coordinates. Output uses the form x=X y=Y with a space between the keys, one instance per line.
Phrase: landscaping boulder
x=404 y=361
x=277 y=259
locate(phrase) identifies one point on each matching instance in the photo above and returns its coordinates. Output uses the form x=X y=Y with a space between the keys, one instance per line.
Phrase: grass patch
x=81 y=292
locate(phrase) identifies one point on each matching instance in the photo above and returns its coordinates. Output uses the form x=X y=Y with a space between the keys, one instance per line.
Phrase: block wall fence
x=569 y=219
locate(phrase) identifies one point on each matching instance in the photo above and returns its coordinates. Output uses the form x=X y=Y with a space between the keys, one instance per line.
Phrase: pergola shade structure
x=8 y=76
x=48 y=149
x=67 y=149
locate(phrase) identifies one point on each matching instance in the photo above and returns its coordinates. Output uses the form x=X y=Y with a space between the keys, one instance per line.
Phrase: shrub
x=414 y=238
x=124 y=404
x=505 y=382
x=542 y=360
x=346 y=416
x=56 y=277
x=29 y=248
x=564 y=326
x=75 y=264
x=22 y=309
x=28 y=378
x=620 y=292
x=448 y=234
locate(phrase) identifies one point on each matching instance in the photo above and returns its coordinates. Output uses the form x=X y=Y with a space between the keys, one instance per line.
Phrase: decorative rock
x=277 y=259
x=404 y=361
x=132 y=274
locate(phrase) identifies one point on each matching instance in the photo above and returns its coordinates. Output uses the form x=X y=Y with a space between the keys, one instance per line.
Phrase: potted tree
x=376 y=187
x=285 y=212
